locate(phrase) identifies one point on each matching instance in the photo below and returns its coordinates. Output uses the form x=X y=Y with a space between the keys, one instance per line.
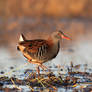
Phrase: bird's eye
x=18 y=48
x=30 y=45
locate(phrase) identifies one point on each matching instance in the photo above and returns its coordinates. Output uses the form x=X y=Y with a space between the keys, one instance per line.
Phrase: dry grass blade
x=15 y=85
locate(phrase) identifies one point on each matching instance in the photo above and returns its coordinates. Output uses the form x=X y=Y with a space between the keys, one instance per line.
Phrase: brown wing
x=36 y=48
x=35 y=45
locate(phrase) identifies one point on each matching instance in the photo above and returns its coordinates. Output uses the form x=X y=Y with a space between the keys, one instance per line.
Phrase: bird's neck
x=53 y=40
x=55 y=43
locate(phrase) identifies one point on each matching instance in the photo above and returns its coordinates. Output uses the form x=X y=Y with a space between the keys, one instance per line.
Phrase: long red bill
x=66 y=37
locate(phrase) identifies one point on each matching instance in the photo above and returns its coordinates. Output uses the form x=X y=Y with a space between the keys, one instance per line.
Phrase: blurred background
x=38 y=19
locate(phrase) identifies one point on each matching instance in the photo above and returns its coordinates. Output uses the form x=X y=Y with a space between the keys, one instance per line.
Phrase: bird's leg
x=39 y=65
x=44 y=67
x=38 y=70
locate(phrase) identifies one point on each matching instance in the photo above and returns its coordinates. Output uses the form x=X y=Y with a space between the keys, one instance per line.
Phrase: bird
x=39 y=51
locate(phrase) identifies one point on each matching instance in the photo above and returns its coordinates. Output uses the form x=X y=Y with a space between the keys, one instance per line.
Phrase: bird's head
x=21 y=43
x=60 y=35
